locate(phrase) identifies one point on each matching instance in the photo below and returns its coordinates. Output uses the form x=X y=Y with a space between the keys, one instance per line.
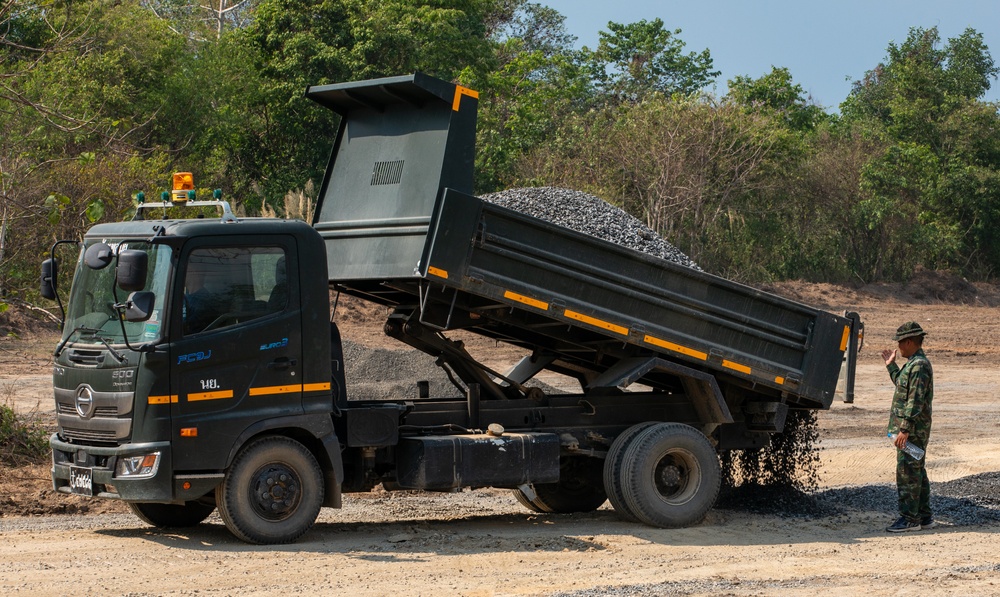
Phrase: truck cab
x=153 y=408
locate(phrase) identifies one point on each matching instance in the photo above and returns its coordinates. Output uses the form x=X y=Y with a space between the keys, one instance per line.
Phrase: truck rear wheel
x=579 y=488
x=670 y=475
x=166 y=516
x=272 y=493
x=612 y=469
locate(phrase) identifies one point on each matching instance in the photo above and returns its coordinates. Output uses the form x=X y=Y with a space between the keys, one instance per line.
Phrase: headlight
x=144 y=465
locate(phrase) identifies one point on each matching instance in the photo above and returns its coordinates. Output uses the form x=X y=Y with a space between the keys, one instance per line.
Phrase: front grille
x=101 y=411
x=86 y=357
x=88 y=435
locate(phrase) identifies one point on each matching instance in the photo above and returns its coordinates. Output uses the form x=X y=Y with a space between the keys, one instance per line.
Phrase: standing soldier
x=910 y=420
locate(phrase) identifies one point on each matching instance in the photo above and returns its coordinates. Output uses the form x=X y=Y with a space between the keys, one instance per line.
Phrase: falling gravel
x=590 y=215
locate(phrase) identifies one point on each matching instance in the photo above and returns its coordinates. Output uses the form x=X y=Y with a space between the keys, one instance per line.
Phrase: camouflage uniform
x=911 y=412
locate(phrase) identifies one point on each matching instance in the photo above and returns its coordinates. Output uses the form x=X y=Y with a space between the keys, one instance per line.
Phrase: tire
x=527 y=503
x=612 y=469
x=670 y=476
x=166 y=516
x=272 y=493
x=579 y=488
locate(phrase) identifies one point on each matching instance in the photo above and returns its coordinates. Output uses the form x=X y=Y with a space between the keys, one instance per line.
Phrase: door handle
x=281 y=364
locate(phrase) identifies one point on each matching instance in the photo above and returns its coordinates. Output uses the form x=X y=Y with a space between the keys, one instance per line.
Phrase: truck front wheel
x=670 y=475
x=166 y=516
x=272 y=493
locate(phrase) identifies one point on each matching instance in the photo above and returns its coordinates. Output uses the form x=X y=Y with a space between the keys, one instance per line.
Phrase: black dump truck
x=199 y=368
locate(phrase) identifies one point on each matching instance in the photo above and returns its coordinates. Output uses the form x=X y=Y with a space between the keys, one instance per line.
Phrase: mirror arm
x=54 y=282
x=120 y=310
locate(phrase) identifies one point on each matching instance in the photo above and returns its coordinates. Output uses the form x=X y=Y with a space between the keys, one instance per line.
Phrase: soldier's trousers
x=913 y=486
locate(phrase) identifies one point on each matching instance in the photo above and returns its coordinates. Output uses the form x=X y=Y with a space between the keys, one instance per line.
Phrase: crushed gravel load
x=590 y=215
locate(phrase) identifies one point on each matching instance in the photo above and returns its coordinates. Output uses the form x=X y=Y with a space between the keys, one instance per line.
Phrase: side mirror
x=139 y=306
x=98 y=256
x=132 y=266
x=50 y=271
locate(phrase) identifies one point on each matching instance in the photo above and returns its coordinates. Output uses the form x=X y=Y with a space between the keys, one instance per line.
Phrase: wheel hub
x=275 y=492
x=670 y=476
x=676 y=476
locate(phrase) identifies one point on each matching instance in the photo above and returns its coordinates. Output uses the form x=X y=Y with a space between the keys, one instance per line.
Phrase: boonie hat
x=910 y=329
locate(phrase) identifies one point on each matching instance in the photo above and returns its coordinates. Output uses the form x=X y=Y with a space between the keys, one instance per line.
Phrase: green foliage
x=21 y=441
x=522 y=101
x=636 y=59
x=776 y=91
x=102 y=99
x=935 y=186
x=690 y=168
x=279 y=138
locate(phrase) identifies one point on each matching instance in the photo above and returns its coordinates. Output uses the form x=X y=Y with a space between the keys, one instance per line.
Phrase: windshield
x=92 y=316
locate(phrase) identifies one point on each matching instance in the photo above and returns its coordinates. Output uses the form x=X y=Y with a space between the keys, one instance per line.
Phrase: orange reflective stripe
x=459 y=92
x=172 y=399
x=210 y=395
x=736 y=367
x=315 y=387
x=676 y=348
x=527 y=300
x=275 y=390
x=600 y=323
x=847 y=336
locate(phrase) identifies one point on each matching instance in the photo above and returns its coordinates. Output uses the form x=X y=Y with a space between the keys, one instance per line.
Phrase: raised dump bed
x=402 y=229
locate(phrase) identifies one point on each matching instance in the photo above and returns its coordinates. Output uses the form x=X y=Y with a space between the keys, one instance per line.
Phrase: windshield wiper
x=81 y=328
x=95 y=333
x=122 y=360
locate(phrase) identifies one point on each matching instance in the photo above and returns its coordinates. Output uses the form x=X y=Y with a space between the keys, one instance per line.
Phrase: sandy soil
x=483 y=543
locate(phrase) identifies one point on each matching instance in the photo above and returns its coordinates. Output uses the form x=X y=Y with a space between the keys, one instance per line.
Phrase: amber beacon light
x=183 y=188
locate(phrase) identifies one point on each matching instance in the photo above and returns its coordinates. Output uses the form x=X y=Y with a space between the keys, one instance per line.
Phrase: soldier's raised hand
x=889 y=356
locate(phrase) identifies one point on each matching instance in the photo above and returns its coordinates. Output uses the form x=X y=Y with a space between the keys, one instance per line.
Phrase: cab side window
x=227 y=286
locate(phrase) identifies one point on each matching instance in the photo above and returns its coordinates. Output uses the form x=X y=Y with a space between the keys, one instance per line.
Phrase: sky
x=826 y=45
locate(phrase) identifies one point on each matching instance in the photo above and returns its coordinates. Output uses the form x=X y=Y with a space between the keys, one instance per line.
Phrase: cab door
x=238 y=356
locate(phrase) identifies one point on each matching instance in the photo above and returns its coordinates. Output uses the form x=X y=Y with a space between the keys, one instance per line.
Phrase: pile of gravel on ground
x=382 y=374
x=783 y=501
x=590 y=215
x=969 y=501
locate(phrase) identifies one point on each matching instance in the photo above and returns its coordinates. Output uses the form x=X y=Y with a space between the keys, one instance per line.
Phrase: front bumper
x=163 y=486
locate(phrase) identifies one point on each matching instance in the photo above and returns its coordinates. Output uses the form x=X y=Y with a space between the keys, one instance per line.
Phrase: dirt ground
x=483 y=543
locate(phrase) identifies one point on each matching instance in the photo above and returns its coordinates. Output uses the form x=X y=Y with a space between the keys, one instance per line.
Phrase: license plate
x=81 y=480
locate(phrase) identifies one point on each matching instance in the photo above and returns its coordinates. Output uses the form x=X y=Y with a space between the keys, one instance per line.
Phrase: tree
x=82 y=96
x=941 y=166
x=777 y=92
x=536 y=83
x=285 y=139
x=200 y=19
x=688 y=167
x=631 y=61
x=920 y=83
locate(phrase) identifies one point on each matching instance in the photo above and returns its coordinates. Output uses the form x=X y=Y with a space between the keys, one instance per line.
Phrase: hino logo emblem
x=85 y=401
